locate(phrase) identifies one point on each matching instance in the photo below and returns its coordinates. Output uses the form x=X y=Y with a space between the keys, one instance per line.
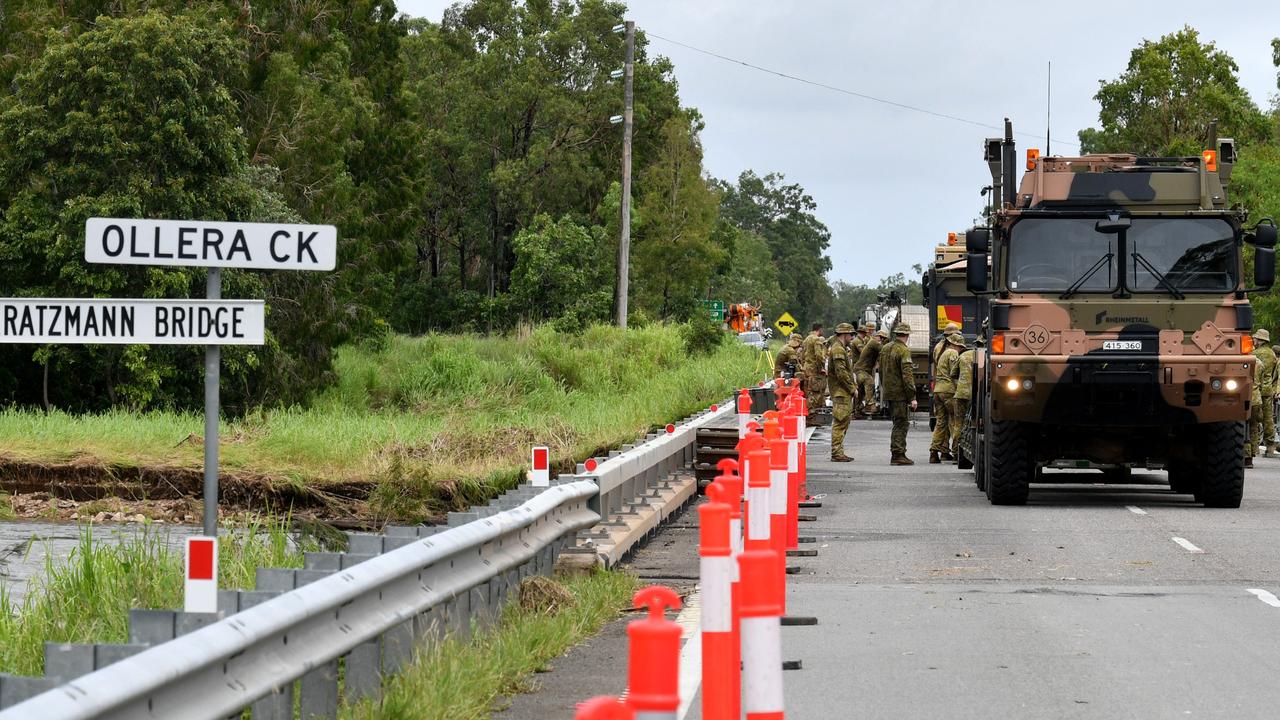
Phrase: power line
x=844 y=91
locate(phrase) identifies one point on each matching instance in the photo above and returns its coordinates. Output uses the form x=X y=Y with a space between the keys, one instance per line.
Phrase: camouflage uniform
x=840 y=371
x=965 y=365
x=864 y=371
x=1255 y=417
x=1263 y=432
x=944 y=389
x=898 y=383
x=936 y=354
x=790 y=353
x=813 y=358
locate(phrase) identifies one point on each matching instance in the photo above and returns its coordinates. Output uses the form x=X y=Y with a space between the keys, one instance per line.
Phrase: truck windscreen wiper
x=1075 y=286
x=1160 y=278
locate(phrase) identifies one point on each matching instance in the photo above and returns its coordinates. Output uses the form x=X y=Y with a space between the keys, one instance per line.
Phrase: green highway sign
x=715 y=308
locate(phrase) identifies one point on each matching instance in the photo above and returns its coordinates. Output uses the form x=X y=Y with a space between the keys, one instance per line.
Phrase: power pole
x=624 y=242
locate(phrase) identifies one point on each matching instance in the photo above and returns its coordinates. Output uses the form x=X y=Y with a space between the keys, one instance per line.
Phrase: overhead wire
x=846 y=91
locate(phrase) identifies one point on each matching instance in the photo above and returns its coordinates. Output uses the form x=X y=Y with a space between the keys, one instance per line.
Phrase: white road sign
x=265 y=246
x=131 y=322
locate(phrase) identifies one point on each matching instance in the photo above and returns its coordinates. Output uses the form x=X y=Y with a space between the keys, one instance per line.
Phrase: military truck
x=948 y=300
x=1118 y=324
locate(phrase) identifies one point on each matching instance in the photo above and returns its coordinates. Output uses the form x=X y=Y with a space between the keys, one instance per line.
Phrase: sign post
x=212 y=381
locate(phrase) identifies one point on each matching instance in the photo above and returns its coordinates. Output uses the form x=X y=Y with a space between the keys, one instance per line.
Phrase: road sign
x=102 y=321
x=786 y=324
x=715 y=308
x=190 y=243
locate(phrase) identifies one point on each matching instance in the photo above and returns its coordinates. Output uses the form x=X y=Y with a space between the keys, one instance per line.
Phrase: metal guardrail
x=371 y=615
x=337 y=626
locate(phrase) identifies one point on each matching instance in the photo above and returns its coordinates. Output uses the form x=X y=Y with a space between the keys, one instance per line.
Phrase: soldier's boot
x=933 y=457
x=901 y=459
x=1271 y=452
x=1248 y=461
x=947 y=457
x=841 y=458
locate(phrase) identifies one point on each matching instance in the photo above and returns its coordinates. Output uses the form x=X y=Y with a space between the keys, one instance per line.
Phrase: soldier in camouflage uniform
x=813 y=358
x=944 y=390
x=843 y=392
x=898 y=383
x=1263 y=432
x=964 y=368
x=865 y=368
x=1255 y=417
x=941 y=345
x=788 y=355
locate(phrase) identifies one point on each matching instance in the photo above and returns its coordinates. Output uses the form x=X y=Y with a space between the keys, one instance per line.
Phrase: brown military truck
x=1118 y=323
x=948 y=300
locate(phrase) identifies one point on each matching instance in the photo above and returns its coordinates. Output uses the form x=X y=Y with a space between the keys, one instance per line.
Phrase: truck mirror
x=976 y=271
x=1264 y=263
x=926 y=284
x=978 y=240
x=1264 y=236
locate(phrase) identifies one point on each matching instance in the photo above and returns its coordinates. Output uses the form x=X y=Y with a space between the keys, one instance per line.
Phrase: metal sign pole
x=212 y=366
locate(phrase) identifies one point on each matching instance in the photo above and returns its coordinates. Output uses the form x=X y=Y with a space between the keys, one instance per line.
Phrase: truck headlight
x=1232 y=385
x=1216 y=384
x=1013 y=384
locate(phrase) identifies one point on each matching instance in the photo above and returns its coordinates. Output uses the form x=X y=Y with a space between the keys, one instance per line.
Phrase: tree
x=1169 y=93
x=749 y=274
x=560 y=274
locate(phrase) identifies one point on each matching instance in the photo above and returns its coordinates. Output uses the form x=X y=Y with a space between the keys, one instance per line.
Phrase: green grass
x=6 y=507
x=87 y=599
x=465 y=680
x=437 y=422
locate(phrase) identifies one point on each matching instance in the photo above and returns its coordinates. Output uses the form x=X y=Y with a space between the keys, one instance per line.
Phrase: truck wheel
x=1222 y=471
x=1184 y=480
x=962 y=460
x=1011 y=468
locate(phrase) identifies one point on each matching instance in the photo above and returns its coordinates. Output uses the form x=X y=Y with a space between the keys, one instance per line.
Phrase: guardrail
x=337 y=626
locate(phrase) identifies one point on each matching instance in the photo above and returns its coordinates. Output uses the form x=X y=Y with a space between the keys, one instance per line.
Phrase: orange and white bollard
x=732 y=484
x=756 y=505
x=744 y=412
x=761 y=636
x=653 y=669
x=720 y=673
x=791 y=433
x=604 y=708
x=778 y=504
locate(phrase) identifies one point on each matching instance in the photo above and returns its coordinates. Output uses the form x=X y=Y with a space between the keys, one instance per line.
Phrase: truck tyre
x=1184 y=480
x=1222 y=469
x=962 y=460
x=1011 y=467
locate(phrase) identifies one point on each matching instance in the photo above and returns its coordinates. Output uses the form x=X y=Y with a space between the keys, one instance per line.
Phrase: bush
x=701 y=335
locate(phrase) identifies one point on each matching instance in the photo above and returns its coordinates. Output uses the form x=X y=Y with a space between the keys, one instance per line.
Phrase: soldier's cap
x=951 y=329
x=870 y=326
x=1262 y=334
x=979 y=341
x=882 y=333
x=902 y=329
x=794 y=337
x=956 y=339
x=844 y=329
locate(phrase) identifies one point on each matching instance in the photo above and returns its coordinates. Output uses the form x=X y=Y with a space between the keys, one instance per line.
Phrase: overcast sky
x=890 y=183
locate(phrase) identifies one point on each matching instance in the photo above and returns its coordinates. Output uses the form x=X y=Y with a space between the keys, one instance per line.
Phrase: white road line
x=1188 y=546
x=690 y=618
x=1265 y=597
x=1135 y=510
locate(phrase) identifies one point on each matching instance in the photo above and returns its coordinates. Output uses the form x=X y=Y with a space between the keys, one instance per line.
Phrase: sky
x=889 y=182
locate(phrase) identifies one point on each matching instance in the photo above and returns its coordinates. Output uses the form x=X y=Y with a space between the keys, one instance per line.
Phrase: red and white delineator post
x=778 y=505
x=756 y=503
x=732 y=484
x=540 y=461
x=200 y=586
x=604 y=708
x=744 y=412
x=720 y=673
x=761 y=635
x=653 y=668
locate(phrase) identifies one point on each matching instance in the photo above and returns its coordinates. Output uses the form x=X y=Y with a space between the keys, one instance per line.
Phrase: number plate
x=1121 y=344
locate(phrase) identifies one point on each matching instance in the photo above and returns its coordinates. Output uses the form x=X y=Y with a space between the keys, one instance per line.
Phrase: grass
x=6 y=507
x=437 y=422
x=465 y=680
x=87 y=599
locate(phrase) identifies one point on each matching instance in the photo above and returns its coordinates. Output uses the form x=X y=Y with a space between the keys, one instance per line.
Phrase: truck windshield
x=1056 y=254
x=1192 y=254
x=1160 y=255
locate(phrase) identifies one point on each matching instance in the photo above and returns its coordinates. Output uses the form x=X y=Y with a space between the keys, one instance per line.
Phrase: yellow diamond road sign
x=786 y=324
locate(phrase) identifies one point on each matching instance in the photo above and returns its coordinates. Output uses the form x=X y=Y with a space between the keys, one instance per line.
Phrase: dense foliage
x=469 y=165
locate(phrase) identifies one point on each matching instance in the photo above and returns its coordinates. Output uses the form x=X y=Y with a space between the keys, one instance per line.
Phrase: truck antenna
x=1048 y=107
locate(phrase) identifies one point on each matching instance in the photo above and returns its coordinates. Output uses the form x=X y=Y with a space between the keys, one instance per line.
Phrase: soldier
x=813 y=359
x=788 y=357
x=965 y=365
x=864 y=370
x=1255 y=417
x=898 y=388
x=944 y=390
x=947 y=332
x=840 y=373
x=1264 y=432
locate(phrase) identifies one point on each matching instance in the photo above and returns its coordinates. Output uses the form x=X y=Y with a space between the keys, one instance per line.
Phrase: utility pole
x=624 y=242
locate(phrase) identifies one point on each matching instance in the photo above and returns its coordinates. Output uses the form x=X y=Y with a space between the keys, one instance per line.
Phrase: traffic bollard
x=720 y=673
x=744 y=412
x=761 y=636
x=653 y=670
x=604 y=708
x=791 y=433
x=778 y=502
x=732 y=484
x=756 y=505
